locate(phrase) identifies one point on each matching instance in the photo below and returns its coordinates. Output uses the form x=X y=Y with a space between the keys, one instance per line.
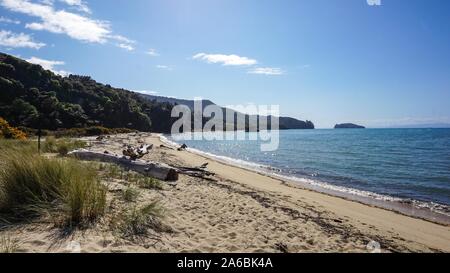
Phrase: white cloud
x=266 y=71
x=121 y=38
x=9 y=21
x=164 y=67
x=62 y=22
x=152 y=52
x=227 y=60
x=126 y=47
x=10 y=39
x=49 y=65
x=374 y=2
x=79 y=4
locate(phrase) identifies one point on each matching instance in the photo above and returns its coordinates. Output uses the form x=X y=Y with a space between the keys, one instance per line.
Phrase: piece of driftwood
x=182 y=147
x=137 y=153
x=200 y=172
x=165 y=147
x=152 y=169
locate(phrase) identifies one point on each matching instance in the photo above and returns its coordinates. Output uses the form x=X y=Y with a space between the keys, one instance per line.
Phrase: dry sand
x=241 y=211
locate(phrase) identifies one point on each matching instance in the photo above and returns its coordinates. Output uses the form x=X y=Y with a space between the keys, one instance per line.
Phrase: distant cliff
x=285 y=123
x=348 y=126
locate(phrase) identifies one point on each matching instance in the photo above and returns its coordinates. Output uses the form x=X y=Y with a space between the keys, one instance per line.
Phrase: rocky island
x=348 y=126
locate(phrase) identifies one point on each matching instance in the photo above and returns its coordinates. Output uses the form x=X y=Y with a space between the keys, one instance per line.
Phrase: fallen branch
x=195 y=172
x=152 y=169
x=165 y=147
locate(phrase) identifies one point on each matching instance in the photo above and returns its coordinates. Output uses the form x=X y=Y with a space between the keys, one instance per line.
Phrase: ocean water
x=406 y=167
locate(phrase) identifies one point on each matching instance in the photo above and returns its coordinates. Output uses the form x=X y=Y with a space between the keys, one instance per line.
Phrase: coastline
x=238 y=211
x=424 y=230
x=407 y=207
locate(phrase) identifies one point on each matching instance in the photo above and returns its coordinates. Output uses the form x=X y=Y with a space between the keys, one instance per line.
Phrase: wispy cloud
x=227 y=60
x=164 y=67
x=49 y=65
x=152 y=52
x=79 y=4
x=128 y=47
x=235 y=60
x=374 y=2
x=8 y=21
x=16 y=40
x=266 y=71
x=74 y=25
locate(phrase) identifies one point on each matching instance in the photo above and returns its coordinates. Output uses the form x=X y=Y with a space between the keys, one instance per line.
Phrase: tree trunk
x=152 y=169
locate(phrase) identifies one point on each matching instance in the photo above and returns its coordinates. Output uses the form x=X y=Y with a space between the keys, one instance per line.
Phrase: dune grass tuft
x=150 y=183
x=130 y=194
x=8 y=244
x=111 y=171
x=32 y=185
x=17 y=146
x=138 y=221
x=61 y=146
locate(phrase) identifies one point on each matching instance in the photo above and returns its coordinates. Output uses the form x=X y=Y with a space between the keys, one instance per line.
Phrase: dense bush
x=33 y=97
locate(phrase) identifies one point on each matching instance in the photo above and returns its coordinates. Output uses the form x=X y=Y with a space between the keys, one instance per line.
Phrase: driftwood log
x=137 y=153
x=199 y=172
x=152 y=169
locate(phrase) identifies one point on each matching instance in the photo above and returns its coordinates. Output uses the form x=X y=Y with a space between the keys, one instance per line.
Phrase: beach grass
x=61 y=146
x=111 y=171
x=130 y=194
x=8 y=244
x=19 y=146
x=32 y=185
x=150 y=183
x=137 y=221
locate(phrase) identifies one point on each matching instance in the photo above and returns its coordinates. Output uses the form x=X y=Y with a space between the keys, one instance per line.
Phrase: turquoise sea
x=408 y=169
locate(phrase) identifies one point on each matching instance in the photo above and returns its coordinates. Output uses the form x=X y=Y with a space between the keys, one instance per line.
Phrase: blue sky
x=329 y=61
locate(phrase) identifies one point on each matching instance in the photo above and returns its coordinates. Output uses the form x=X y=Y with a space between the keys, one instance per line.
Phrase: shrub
x=9 y=132
x=32 y=186
x=90 y=131
x=97 y=131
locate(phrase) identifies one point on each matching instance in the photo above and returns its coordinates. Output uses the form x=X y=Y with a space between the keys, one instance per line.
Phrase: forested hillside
x=32 y=97
x=27 y=90
x=285 y=123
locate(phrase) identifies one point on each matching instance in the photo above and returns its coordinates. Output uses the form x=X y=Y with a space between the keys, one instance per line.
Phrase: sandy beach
x=238 y=211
